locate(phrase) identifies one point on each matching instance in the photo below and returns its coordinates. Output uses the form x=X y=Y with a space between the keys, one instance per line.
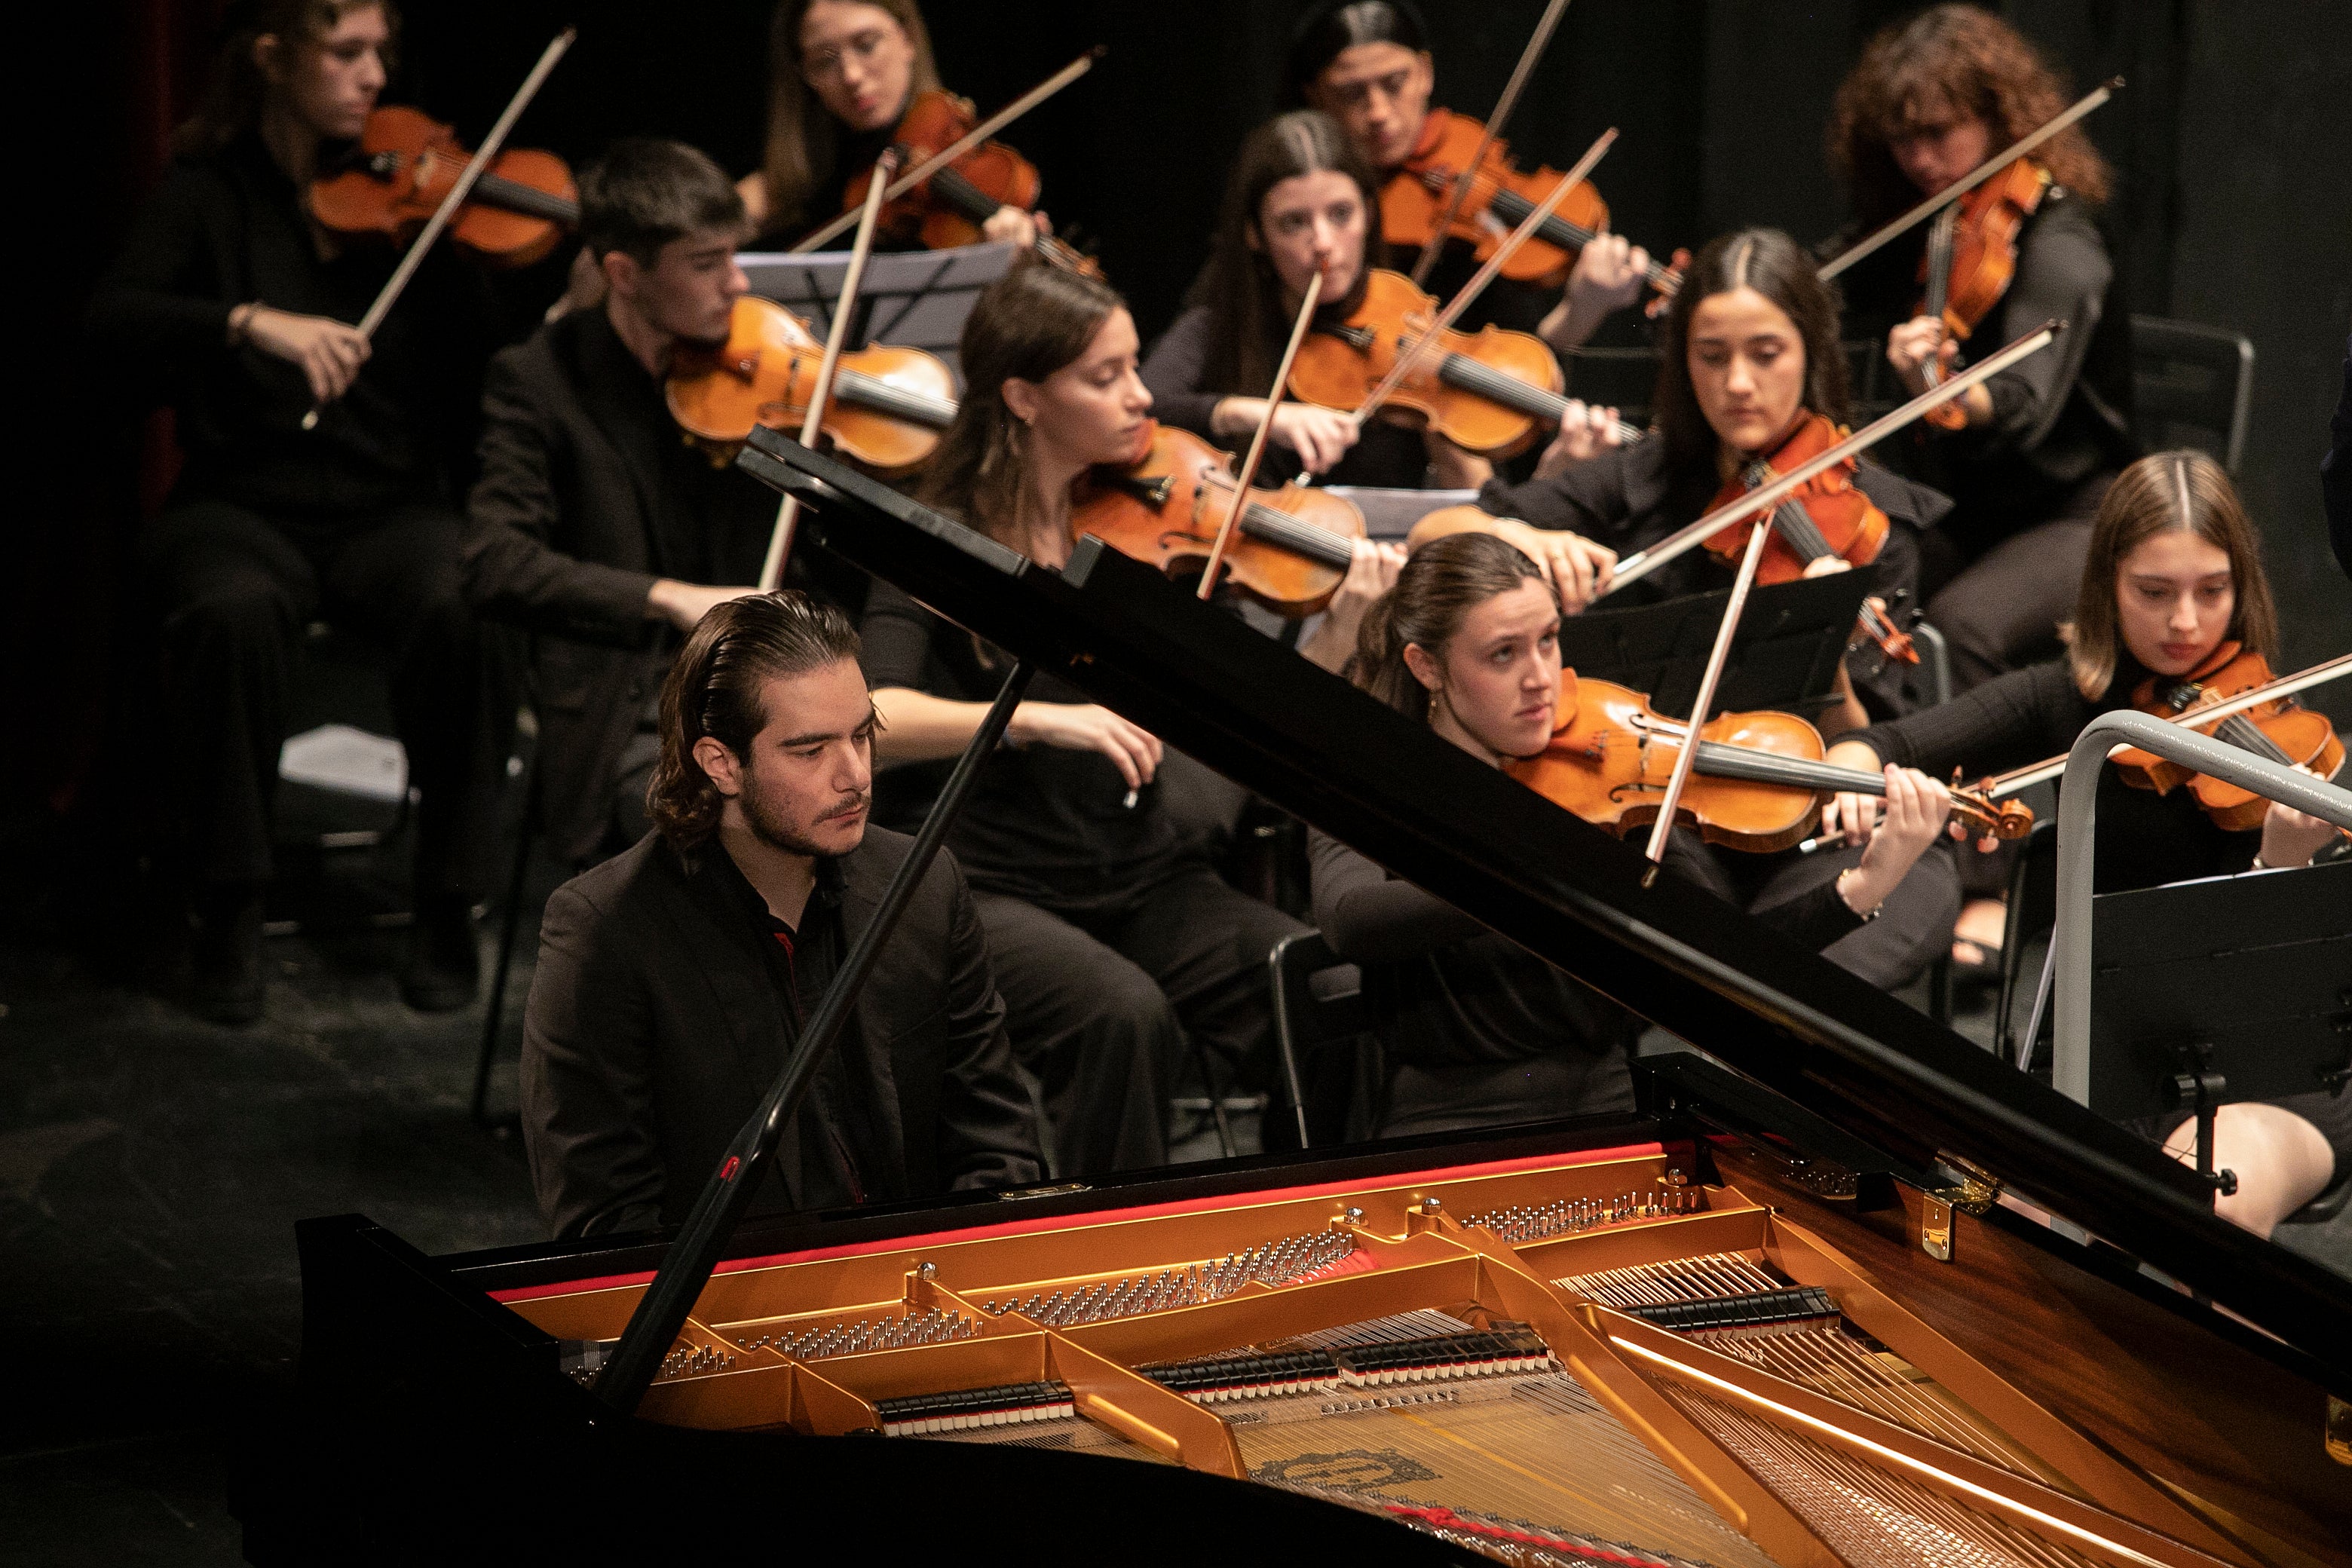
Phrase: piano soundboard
x=1560 y=1360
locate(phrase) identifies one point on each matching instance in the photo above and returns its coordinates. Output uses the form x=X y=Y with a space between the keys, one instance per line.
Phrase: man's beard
x=778 y=834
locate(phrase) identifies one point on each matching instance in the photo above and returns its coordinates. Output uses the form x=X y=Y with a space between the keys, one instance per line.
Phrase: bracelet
x=240 y=323
x=1838 y=886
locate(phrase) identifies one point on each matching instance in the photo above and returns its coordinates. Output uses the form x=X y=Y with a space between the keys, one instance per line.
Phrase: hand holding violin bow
x=451 y=205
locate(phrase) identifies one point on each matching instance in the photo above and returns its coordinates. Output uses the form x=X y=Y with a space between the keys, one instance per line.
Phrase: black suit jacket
x=585 y=496
x=654 y=1028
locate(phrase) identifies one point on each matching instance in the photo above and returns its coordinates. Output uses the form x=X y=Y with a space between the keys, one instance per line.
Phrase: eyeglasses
x=861 y=48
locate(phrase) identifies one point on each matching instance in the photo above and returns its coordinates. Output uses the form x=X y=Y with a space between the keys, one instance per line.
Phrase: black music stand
x=1785 y=654
x=916 y=299
x=2230 y=988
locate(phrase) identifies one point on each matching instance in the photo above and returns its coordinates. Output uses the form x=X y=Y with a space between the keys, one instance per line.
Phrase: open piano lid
x=1331 y=755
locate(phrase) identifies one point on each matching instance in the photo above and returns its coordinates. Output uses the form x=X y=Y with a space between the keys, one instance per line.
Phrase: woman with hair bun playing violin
x=842 y=74
x=2172 y=589
x=241 y=301
x=2026 y=455
x=1474 y=1030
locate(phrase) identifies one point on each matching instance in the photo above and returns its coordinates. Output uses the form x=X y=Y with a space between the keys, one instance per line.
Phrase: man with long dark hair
x=674 y=979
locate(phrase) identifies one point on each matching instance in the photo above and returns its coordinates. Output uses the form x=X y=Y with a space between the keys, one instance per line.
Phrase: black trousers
x=1100 y=1007
x=1913 y=926
x=2001 y=610
x=233 y=591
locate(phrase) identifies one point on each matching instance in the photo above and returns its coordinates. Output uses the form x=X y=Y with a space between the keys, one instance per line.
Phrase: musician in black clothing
x=1367 y=64
x=1300 y=201
x=1750 y=349
x=2174 y=585
x=593 y=523
x=1474 y=1030
x=674 y=979
x=841 y=74
x=1111 y=935
x=243 y=301
x=1931 y=101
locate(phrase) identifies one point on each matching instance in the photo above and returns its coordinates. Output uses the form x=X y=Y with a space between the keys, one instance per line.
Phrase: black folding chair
x=2192 y=386
x=1625 y=379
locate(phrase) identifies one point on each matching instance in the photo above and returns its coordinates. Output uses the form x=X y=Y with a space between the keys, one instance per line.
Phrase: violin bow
x=1257 y=440
x=1685 y=758
x=1766 y=498
x=1983 y=171
x=973 y=138
x=788 y=511
x=1410 y=357
x=1536 y=43
x=491 y=146
x=2010 y=782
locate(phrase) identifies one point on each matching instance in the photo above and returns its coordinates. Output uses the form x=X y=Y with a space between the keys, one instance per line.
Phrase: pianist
x=674 y=978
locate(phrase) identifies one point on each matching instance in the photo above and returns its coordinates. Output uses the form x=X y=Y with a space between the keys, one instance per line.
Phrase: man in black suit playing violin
x=592 y=524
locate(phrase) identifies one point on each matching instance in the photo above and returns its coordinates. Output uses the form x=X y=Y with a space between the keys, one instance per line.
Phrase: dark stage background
x=2231 y=141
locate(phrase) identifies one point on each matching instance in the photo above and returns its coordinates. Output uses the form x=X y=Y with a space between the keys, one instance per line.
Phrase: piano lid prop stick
x=973 y=138
x=1978 y=175
x=1761 y=530
x=1409 y=356
x=1257 y=438
x=1537 y=42
x=686 y=1267
x=392 y=286
x=1768 y=498
x=788 y=511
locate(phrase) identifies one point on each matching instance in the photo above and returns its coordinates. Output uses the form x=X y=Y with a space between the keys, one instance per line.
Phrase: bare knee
x=2280 y=1161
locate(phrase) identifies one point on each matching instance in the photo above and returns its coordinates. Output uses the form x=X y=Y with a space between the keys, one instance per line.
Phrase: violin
x=887 y=408
x=1758 y=784
x=1971 y=257
x=405 y=162
x=1289 y=553
x=1876 y=624
x=1499 y=199
x=1485 y=392
x=2283 y=731
x=1826 y=516
x=947 y=208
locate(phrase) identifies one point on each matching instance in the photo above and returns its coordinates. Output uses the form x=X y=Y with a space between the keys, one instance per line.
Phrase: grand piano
x=1846 y=1290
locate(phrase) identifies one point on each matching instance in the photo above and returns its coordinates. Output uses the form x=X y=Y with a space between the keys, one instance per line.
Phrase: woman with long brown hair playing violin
x=1112 y=937
x=2026 y=455
x=1749 y=360
x=239 y=300
x=1474 y=1030
x=840 y=75
x=2173 y=587
x=1367 y=64
x=1299 y=202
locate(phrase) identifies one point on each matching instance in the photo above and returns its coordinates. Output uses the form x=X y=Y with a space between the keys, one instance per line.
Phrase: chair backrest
x=2191 y=385
x=1319 y=1002
x=1871 y=387
x=1625 y=379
